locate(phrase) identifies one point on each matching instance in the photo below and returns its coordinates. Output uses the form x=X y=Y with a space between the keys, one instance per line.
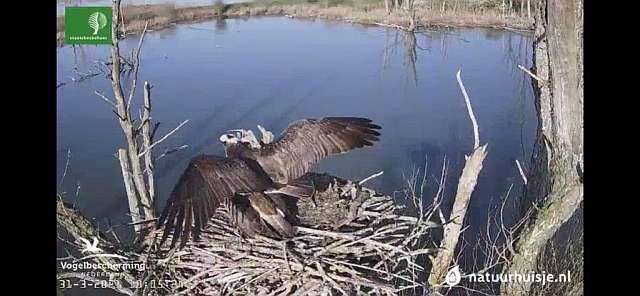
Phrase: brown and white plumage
x=248 y=180
x=269 y=211
x=207 y=183
x=305 y=142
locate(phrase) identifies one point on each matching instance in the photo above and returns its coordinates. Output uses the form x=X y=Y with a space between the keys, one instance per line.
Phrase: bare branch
x=370 y=177
x=476 y=134
x=530 y=74
x=522 y=174
x=136 y=66
x=106 y=100
x=172 y=150
x=66 y=167
x=146 y=139
x=163 y=138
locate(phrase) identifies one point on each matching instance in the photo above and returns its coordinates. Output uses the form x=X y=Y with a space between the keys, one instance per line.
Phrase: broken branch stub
x=453 y=229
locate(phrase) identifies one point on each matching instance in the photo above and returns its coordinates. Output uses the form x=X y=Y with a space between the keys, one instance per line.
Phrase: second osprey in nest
x=250 y=180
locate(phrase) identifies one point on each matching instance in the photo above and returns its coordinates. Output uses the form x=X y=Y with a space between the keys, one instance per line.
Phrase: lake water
x=238 y=73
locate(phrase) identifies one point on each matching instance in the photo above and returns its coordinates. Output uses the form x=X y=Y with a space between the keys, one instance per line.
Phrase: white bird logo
x=90 y=247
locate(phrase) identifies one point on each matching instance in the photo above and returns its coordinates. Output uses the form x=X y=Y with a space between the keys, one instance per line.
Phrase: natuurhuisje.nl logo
x=454 y=277
x=87 y=25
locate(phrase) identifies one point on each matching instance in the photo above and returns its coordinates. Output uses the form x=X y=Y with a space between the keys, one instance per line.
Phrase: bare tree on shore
x=556 y=176
x=136 y=159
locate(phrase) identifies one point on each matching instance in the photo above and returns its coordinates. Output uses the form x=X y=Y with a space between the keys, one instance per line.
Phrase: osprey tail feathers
x=246 y=218
x=271 y=214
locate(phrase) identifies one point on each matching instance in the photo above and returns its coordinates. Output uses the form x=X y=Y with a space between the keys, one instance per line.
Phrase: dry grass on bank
x=371 y=12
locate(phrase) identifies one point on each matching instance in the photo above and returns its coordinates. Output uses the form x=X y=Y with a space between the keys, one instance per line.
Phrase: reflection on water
x=236 y=73
x=221 y=25
x=396 y=40
x=410 y=55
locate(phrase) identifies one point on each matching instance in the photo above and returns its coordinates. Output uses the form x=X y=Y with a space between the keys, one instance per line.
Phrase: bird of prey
x=252 y=177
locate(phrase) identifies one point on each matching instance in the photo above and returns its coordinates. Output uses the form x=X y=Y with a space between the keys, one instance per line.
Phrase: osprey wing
x=207 y=183
x=305 y=142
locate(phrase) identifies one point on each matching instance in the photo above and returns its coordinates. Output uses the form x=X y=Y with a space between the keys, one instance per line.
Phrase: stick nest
x=350 y=240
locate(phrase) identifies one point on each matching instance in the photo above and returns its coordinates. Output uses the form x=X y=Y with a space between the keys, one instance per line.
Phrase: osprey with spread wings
x=251 y=179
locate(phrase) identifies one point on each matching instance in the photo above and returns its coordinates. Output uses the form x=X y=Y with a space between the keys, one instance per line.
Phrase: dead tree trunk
x=136 y=160
x=387 y=4
x=466 y=185
x=134 y=208
x=122 y=110
x=556 y=176
x=147 y=138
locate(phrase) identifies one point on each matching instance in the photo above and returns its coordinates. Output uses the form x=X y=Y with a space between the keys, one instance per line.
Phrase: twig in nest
x=371 y=177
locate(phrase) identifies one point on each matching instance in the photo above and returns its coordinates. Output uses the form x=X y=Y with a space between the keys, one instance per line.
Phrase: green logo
x=87 y=25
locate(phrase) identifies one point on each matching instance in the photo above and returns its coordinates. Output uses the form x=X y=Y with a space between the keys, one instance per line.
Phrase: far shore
x=372 y=13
